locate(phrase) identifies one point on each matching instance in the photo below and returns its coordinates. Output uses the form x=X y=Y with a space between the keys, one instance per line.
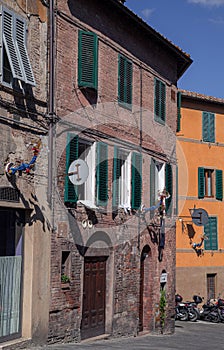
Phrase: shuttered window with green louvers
x=169 y=187
x=116 y=176
x=178 y=111
x=124 y=82
x=208 y=127
x=136 y=180
x=201 y=183
x=159 y=101
x=102 y=174
x=219 y=184
x=210 y=230
x=70 y=190
x=88 y=60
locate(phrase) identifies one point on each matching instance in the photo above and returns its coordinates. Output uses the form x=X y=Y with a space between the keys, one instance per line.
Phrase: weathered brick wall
x=100 y=112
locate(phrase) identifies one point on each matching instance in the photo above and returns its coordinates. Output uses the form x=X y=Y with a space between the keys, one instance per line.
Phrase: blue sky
x=197 y=27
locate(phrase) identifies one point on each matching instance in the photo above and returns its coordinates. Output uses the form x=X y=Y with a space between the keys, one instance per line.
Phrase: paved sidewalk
x=188 y=335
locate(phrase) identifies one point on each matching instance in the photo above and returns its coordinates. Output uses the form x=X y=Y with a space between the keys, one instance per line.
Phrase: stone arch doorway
x=144 y=260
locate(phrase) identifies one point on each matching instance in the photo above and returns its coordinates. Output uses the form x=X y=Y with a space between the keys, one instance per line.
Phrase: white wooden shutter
x=9 y=42
x=20 y=29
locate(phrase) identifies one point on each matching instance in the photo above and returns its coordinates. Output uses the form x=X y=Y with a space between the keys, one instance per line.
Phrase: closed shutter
x=208 y=127
x=169 y=187
x=116 y=176
x=210 y=230
x=14 y=39
x=136 y=180
x=70 y=194
x=102 y=174
x=152 y=185
x=219 y=185
x=88 y=60
x=125 y=82
x=20 y=40
x=178 y=111
x=160 y=101
x=201 y=183
x=177 y=199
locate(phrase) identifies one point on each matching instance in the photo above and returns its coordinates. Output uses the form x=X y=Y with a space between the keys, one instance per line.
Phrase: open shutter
x=88 y=60
x=20 y=41
x=219 y=184
x=70 y=194
x=210 y=230
x=178 y=110
x=169 y=187
x=136 y=180
x=177 y=198
x=116 y=176
x=102 y=174
x=152 y=185
x=201 y=183
x=10 y=47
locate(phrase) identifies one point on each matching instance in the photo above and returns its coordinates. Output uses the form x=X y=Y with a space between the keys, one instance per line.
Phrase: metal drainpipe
x=51 y=113
x=140 y=144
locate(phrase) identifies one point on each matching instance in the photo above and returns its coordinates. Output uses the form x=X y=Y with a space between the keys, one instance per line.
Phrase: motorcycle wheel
x=193 y=316
x=183 y=315
x=215 y=319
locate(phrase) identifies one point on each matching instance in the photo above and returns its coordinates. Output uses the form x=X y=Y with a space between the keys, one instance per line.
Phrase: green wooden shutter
x=125 y=81
x=136 y=180
x=169 y=187
x=208 y=127
x=70 y=194
x=219 y=184
x=159 y=101
x=201 y=182
x=152 y=185
x=178 y=110
x=88 y=60
x=102 y=174
x=116 y=176
x=210 y=230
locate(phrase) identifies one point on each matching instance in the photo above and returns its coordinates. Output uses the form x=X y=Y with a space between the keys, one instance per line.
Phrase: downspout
x=51 y=113
x=140 y=145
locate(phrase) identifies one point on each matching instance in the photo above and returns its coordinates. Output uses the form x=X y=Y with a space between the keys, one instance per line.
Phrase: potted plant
x=65 y=281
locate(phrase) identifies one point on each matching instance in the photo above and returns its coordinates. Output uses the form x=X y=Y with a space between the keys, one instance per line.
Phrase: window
x=161 y=176
x=160 y=101
x=94 y=189
x=208 y=127
x=210 y=230
x=211 y=284
x=210 y=183
x=127 y=179
x=121 y=178
x=15 y=59
x=125 y=82
x=88 y=60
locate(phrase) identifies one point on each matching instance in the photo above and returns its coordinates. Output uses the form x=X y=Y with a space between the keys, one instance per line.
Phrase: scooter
x=181 y=311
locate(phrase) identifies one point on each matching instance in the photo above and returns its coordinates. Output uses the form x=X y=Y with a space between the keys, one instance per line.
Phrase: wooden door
x=94 y=291
x=141 y=292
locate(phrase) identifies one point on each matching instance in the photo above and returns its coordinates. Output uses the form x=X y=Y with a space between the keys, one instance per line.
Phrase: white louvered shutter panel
x=9 y=42
x=21 y=45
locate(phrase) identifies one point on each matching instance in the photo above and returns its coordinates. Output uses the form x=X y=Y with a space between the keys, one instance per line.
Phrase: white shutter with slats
x=20 y=41
x=9 y=42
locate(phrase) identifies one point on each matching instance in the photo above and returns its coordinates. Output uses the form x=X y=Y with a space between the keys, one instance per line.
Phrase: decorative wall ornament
x=10 y=170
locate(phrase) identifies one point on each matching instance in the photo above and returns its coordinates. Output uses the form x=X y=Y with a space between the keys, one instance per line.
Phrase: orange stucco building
x=200 y=219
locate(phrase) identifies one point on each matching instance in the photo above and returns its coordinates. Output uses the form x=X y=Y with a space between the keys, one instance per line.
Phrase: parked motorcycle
x=193 y=312
x=209 y=312
x=181 y=311
x=220 y=309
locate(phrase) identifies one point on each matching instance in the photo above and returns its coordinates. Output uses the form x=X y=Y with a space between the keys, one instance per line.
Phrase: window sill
x=125 y=105
x=159 y=120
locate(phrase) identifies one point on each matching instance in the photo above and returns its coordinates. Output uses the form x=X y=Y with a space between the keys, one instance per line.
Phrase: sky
x=197 y=27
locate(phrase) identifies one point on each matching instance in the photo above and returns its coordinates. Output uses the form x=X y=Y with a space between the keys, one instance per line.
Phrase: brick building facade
x=116 y=97
x=25 y=234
